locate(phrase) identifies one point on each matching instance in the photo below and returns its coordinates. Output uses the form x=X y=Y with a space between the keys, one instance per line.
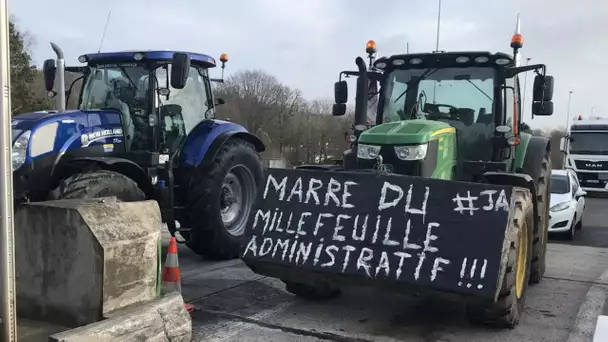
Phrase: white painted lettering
x=278 y=187
x=427 y=248
x=347 y=249
x=293 y=250
x=296 y=190
x=490 y=194
x=383 y=264
x=339 y=227
x=387 y=236
x=363 y=261
x=363 y=228
x=301 y=222
x=346 y=195
x=408 y=202
x=319 y=224
x=437 y=266
x=313 y=186
x=329 y=250
x=502 y=202
x=265 y=216
x=251 y=246
x=402 y=256
x=317 y=254
x=383 y=204
x=303 y=252
x=284 y=245
x=266 y=247
x=332 y=188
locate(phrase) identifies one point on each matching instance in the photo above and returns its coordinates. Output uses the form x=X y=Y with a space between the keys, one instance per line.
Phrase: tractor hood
x=28 y=121
x=403 y=132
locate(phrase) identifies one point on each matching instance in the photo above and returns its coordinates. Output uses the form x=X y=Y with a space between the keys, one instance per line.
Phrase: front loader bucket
x=398 y=230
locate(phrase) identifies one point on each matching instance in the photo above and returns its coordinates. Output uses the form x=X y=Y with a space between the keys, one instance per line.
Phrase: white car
x=567 y=203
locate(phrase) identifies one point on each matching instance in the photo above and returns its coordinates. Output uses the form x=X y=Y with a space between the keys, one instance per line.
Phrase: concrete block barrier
x=163 y=319
x=79 y=260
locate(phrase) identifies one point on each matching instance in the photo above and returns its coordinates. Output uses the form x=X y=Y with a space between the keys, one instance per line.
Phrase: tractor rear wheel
x=98 y=183
x=541 y=235
x=508 y=309
x=220 y=200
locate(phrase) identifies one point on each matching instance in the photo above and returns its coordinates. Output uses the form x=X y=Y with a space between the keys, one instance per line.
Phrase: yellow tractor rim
x=522 y=260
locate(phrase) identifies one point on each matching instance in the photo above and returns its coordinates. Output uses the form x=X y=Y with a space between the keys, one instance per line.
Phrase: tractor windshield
x=127 y=88
x=454 y=94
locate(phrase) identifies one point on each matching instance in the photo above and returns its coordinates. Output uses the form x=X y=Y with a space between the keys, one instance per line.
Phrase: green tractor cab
x=440 y=191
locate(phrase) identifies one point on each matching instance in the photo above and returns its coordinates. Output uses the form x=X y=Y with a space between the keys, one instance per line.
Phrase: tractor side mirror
x=562 y=144
x=542 y=108
x=543 y=88
x=338 y=109
x=180 y=68
x=48 y=70
x=219 y=101
x=341 y=92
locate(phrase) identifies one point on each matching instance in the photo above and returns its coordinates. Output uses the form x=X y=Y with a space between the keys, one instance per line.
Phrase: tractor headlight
x=367 y=151
x=560 y=206
x=20 y=149
x=412 y=152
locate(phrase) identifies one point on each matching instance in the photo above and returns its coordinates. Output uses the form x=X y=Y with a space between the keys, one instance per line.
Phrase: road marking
x=592 y=307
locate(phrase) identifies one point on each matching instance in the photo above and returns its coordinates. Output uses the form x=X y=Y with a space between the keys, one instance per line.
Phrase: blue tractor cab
x=144 y=129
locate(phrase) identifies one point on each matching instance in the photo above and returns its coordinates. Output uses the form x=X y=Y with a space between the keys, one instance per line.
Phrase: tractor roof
x=130 y=56
x=455 y=58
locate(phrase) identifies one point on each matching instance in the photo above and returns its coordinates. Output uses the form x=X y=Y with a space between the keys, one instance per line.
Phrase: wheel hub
x=238 y=192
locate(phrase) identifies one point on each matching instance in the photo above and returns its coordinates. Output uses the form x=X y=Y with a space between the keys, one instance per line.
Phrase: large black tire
x=541 y=235
x=210 y=237
x=318 y=292
x=98 y=183
x=508 y=309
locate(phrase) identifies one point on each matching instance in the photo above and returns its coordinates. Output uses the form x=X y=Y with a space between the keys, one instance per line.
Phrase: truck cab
x=586 y=152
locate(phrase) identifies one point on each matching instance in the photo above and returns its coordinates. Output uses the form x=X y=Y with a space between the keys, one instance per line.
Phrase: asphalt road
x=234 y=304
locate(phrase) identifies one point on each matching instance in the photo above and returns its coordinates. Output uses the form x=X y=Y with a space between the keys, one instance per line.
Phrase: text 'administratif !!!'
x=323 y=228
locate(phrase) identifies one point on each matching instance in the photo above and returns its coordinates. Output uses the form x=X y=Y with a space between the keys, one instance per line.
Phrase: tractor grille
x=410 y=168
x=591 y=165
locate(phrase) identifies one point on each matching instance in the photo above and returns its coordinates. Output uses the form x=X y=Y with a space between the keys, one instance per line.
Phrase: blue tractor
x=144 y=129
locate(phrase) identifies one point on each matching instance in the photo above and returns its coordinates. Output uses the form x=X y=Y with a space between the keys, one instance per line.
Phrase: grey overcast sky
x=306 y=43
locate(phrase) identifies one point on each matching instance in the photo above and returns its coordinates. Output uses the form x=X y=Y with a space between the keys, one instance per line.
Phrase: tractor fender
x=120 y=165
x=537 y=147
x=208 y=137
x=221 y=139
x=515 y=179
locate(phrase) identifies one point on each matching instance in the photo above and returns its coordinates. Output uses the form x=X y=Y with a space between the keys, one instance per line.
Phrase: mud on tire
x=508 y=309
x=98 y=183
x=237 y=160
x=539 y=247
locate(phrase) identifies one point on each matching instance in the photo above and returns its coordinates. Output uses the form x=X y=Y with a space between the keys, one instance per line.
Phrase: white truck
x=586 y=152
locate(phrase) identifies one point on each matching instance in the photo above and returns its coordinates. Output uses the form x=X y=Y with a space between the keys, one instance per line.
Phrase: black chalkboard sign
x=440 y=234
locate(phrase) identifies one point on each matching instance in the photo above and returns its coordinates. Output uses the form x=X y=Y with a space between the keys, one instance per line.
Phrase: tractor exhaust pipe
x=60 y=78
x=361 y=98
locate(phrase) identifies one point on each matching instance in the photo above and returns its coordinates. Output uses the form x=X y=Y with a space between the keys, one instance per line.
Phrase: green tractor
x=440 y=191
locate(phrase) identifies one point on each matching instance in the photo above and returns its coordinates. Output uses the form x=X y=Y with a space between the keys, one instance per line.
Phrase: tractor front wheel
x=508 y=309
x=220 y=201
x=541 y=235
x=98 y=183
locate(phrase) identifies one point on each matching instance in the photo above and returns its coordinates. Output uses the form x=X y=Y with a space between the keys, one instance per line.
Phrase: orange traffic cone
x=172 y=281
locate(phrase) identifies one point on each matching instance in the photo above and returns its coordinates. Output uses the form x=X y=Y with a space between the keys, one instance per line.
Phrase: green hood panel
x=404 y=132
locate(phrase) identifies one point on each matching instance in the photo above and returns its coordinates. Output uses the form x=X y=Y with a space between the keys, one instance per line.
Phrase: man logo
x=591 y=165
